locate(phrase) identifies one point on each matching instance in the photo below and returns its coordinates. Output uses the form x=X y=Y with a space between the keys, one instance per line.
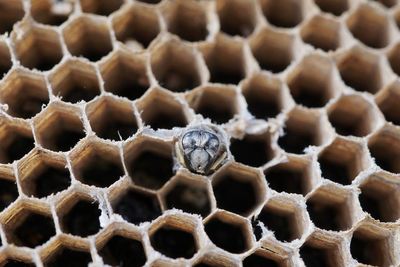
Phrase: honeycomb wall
x=94 y=92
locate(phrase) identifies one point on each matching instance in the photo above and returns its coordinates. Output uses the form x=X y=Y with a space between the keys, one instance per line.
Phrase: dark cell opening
x=69 y=257
x=336 y=7
x=35 y=230
x=295 y=141
x=19 y=147
x=101 y=7
x=281 y=223
x=17 y=263
x=51 y=181
x=255 y=260
x=174 y=243
x=8 y=193
x=283 y=13
x=251 y=151
x=316 y=257
x=369 y=250
x=82 y=219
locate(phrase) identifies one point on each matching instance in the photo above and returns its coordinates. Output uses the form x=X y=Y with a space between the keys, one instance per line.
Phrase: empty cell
x=258 y=259
x=370 y=26
x=342 y=161
x=217 y=103
x=176 y=67
x=49 y=12
x=8 y=190
x=353 y=115
x=136 y=26
x=316 y=253
x=25 y=93
x=29 y=228
x=100 y=7
x=81 y=218
x=387 y=101
x=16 y=140
x=252 y=150
x=142 y=156
x=303 y=128
x=236 y=181
x=43 y=174
x=125 y=75
x=112 y=119
x=284 y=13
x=17 y=263
x=361 y=70
x=228 y=233
x=311 y=82
x=75 y=81
x=38 y=48
x=244 y=13
x=225 y=61
x=264 y=96
x=294 y=176
x=331 y=210
x=379 y=197
x=64 y=257
x=384 y=147
x=10 y=13
x=137 y=206
x=371 y=248
x=160 y=110
x=123 y=251
x=173 y=242
x=187 y=19
x=5 y=59
x=335 y=7
x=273 y=50
x=88 y=37
x=322 y=32
x=59 y=127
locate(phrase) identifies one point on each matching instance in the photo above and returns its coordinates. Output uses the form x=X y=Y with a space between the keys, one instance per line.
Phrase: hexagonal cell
x=238 y=189
x=10 y=13
x=295 y=176
x=51 y=13
x=284 y=13
x=59 y=127
x=187 y=19
x=387 y=101
x=361 y=70
x=65 y=256
x=370 y=26
x=5 y=59
x=353 y=115
x=384 y=147
x=342 y=161
x=228 y=232
x=97 y=163
x=273 y=50
x=189 y=194
x=25 y=93
x=136 y=26
x=322 y=32
x=16 y=140
x=371 y=245
x=88 y=37
x=100 y=7
x=43 y=173
x=264 y=96
x=218 y=103
x=125 y=75
x=263 y=257
x=112 y=119
x=320 y=251
x=244 y=13
x=8 y=188
x=253 y=149
x=123 y=250
x=29 y=227
x=79 y=215
x=161 y=110
x=136 y=206
x=335 y=7
x=140 y=158
x=75 y=81
x=175 y=66
x=303 y=128
x=331 y=208
x=225 y=60
x=379 y=197
x=312 y=82
x=38 y=48
x=284 y=218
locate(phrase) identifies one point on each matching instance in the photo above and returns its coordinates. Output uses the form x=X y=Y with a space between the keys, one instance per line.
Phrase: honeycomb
x=94 y=92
